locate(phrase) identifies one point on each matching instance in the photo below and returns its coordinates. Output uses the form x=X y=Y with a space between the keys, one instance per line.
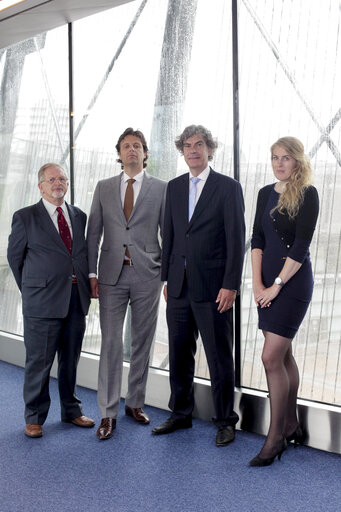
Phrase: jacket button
x=124 y=245
x=127 y=228
x=187 y=236
x=288 y=246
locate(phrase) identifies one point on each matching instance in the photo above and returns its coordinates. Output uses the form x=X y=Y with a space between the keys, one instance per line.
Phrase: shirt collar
x=203 y=175
x=138 y=177
x=51 y=208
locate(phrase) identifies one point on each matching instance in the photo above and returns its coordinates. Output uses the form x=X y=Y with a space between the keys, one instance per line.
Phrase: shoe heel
x=284 y=447
x=298 y=436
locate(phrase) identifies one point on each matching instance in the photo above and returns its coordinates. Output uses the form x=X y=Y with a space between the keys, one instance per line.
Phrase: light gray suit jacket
x=140 y=233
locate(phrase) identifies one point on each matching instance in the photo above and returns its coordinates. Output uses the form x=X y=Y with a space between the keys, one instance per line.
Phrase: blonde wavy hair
x=291 y=199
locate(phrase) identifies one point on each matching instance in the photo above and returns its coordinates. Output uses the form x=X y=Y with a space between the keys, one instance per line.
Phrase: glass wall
x=290 y=78
x=34 y=124
x=159 y=66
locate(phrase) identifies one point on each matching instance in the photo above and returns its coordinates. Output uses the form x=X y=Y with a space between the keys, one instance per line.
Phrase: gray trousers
x=113 y=300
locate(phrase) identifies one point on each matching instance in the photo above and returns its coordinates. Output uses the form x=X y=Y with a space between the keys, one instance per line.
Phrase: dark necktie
x=64 y=230
x=129 y=199
x=128 y=204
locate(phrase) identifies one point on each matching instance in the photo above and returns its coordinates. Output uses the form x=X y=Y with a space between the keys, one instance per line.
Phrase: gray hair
x=196 y=129
x=44 y=167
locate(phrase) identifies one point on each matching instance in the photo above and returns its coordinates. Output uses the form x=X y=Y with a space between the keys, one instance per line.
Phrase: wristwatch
x=279 y=281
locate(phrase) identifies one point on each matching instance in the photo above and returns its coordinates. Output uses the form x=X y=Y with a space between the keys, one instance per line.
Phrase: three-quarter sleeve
x=305 y=225
x=257 y=239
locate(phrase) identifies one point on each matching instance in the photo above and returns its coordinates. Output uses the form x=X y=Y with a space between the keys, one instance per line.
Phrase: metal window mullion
x=236 y=173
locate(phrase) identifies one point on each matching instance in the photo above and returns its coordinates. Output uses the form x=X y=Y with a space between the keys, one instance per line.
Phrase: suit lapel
x=116 y=195
x=205 y=196
x=182 y=197
x=76 y=228
x=146 y=182
x=47 y=225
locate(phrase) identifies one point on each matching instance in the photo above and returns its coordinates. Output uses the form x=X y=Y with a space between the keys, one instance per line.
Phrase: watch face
x=279 y=281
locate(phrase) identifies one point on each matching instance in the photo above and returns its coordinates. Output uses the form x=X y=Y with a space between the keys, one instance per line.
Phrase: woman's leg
x=291 y=422
x=274 y=354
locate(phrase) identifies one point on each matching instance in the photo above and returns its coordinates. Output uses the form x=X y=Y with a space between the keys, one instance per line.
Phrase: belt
x=128 y=262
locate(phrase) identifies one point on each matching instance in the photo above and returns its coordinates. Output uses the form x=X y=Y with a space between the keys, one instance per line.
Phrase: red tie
x=64 y=230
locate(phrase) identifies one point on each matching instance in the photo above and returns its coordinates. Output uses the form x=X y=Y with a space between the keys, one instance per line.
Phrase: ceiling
x=31 y=17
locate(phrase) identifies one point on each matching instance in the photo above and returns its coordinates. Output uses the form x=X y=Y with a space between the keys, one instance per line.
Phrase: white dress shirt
x=52 y=211
x=136 y=185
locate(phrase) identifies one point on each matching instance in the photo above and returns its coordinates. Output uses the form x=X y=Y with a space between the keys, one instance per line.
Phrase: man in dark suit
x=48 y=257
x=203 y=250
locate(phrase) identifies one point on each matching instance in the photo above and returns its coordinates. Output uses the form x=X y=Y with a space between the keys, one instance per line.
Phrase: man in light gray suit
x=128 y=211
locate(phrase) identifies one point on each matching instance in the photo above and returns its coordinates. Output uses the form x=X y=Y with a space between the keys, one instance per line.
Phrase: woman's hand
x=257 y=291
x=264 y=297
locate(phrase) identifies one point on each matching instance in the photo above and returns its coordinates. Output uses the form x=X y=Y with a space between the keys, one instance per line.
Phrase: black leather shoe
x=225 y=435
x=106 y=428
x=171 y=425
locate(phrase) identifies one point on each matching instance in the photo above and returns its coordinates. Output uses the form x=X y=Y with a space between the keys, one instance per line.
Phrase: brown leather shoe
x=83 y=421
x=138 y=414
x=33 y=430
x=106 y=428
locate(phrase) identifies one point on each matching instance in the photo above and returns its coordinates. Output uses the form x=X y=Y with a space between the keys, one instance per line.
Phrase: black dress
x=288 y=309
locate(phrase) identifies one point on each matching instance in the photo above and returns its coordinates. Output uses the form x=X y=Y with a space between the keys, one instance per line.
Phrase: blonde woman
x=284 y=224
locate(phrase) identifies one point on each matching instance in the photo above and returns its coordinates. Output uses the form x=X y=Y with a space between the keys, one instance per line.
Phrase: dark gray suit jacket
x=212 y=243
x=41 y=264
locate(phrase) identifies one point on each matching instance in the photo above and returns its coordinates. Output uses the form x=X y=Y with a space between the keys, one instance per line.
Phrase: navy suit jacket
x=41 y=264
x=211 y=245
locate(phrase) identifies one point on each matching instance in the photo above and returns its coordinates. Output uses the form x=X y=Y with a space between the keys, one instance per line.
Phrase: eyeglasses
x=62 y=180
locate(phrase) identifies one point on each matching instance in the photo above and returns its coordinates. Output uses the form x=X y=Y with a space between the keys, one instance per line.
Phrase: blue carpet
x=68 y=469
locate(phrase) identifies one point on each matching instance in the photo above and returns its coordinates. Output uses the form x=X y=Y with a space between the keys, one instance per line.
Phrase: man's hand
x=226 y=299
x=165 y=292
x=94 y=287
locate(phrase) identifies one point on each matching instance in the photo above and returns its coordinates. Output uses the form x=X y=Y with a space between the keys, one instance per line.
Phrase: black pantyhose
x=283 y=379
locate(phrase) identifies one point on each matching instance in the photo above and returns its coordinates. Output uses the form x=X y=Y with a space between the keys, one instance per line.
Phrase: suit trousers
x=44 y=337
x=186 y=318
x=144 y=297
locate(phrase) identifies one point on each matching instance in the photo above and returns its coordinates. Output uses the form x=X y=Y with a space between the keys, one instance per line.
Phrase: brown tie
x=128 y=204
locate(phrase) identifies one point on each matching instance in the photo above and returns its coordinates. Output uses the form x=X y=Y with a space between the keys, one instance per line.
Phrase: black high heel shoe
x=259 y=461
x=297 y=436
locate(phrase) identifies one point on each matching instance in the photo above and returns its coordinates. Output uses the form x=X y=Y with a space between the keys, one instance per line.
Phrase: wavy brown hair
x=301 y=178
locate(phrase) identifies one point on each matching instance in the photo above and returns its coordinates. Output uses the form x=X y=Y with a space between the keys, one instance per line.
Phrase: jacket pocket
x=35 y=282
x=152 y=248
x=215 y=263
